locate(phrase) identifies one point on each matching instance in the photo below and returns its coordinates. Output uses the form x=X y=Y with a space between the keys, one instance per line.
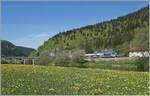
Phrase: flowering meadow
x=45 y=80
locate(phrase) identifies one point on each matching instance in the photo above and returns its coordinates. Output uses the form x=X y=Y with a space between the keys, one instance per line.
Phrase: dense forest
x=120 y=34
x=8 y=49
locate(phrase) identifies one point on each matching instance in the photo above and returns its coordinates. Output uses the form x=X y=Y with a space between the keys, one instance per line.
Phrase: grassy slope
x=28 y=79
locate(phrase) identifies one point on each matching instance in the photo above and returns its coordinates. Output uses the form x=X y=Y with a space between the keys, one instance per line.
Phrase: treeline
x=8 y=49
x=118 y=34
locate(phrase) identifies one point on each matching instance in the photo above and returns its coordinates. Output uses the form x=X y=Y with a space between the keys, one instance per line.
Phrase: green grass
x=32 y=80
x=128 y=65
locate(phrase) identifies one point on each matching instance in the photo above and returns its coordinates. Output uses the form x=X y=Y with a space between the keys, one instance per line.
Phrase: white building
x=139 y=54
x=136 y=52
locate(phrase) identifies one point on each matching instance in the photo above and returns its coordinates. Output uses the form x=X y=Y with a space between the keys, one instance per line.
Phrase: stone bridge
x=23 y=60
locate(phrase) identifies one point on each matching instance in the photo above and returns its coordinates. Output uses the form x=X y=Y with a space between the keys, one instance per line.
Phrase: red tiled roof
x=137 y=49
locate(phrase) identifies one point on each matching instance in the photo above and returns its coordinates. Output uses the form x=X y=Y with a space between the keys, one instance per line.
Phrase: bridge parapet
x=24 y=60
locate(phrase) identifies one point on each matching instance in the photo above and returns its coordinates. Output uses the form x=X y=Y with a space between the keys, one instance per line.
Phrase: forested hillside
x=9 y=49
x=127 y=31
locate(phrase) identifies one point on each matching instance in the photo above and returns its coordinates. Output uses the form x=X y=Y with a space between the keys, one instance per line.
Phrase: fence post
x=33 y=61
x=15 y=61
x=24 y=61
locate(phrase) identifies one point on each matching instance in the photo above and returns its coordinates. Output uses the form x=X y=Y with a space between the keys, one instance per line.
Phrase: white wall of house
x=139 y=54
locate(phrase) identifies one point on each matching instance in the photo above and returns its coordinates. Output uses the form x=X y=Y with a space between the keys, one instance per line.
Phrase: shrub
x=143 y=64
x=4 y=62
x=62 y=59
x=117 y=65
x=78 y=57
x=45 y=59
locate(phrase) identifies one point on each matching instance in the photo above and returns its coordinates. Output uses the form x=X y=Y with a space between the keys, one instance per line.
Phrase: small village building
x=138 y=52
